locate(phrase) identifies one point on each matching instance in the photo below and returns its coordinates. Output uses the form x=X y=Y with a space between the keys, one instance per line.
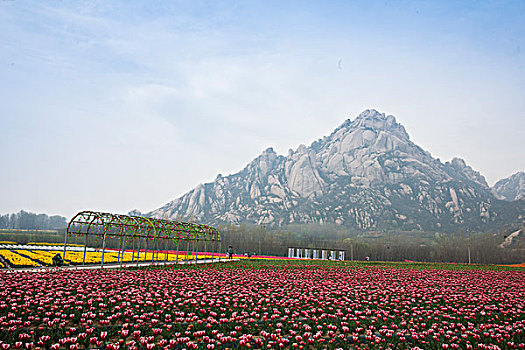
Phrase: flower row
x=36 y=258
x=17 y=260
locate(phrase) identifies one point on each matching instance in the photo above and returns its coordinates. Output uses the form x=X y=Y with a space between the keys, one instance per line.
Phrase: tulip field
x=265 y=305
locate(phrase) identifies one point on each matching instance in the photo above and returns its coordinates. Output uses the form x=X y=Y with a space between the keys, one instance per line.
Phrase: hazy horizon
x=122 y=105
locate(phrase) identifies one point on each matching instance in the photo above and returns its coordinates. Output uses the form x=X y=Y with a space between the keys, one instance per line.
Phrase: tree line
x=24 y=220
x=459 y=247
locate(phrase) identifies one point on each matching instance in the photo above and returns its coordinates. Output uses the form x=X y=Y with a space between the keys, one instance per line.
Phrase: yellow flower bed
x=1 y=265
x=7 y=242
x=16 y=260
x=91 y=257
x=45 y=257
x=112 y=257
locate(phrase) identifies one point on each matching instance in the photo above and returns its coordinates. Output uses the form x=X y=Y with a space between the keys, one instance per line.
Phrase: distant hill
x=29 y=221
x=511 y=188
x=366 y=175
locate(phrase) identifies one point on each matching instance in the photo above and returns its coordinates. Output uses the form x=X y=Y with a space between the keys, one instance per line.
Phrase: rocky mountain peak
x=366 y=174
x=135 y=212
x=511 y=188
x=263 y=163
x=461 y=166
x=371 y=119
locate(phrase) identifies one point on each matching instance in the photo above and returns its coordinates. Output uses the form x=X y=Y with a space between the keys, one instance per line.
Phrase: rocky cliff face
x=511 y=188
x=366 y=175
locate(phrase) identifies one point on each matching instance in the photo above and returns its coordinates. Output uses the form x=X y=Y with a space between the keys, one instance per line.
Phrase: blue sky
x=115 y=105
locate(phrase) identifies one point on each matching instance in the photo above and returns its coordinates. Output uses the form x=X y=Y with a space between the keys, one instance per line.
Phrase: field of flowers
x=37 y=258
x=264 y=304
x=15 y=259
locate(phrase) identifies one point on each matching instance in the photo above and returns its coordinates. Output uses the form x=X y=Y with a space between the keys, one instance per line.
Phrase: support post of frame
x=103 y=249
x=123 y=250
x=153 y=252
x=165 y=251
x=85 y=249
x=194 y=253
x=65 y=245
x=138 y=252
x=177 y=258
x=133 y=253
x=119 y=248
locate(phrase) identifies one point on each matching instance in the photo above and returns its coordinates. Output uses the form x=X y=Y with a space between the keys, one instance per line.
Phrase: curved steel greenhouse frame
x=136 y=229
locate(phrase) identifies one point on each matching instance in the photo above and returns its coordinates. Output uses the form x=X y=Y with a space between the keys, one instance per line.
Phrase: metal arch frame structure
x=137 y=228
